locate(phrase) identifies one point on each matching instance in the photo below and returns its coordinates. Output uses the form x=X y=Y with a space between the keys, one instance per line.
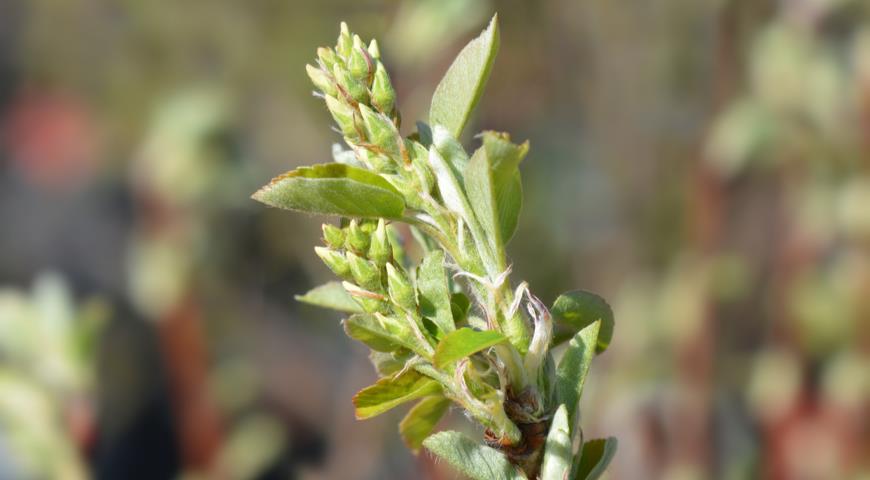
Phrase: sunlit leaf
x=331 y=295
x=557 y=450
x=494 y=188
x=434 y=293
x=504 y=159
x=368 y=329
x=422 y=419
x=477 y=461
x=333 y=189
x=572 y=369
x=464 y=342
x=459 y=91
x=579 y=309
x=391 y=392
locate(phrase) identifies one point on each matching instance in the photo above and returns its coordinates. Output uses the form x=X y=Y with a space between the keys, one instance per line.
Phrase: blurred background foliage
x=705 y=165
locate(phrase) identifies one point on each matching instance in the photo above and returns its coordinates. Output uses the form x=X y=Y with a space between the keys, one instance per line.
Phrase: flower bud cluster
x=366 y=254
x=360 y=96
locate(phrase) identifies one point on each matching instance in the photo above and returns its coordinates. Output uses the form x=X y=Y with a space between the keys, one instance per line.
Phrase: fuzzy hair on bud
x=357 y=240
x=334 y=260
x=383 y=94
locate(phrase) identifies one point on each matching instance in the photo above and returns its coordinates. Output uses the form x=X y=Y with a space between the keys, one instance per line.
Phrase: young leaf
x=391 y=392
x=478 y=462
x=481 y=195
x=422 y=419
x=557 y=451
x=462 y=85
x=579 y=309
x=388 y=364
x=434 y=294
x=449 y=185
x=464 y=342
x=368 y=330
x=504 y=158
x=449 y=147
x=572 y=369
x=333 y=189
x=594 y=458
x=331 y=295
x=384 y=334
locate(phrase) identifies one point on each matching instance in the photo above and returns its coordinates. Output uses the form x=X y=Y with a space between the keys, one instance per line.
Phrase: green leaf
x=384 y=334
x=387 y=364
x=557 y=451
x=449 y=185
x=434 y=293
x=462 y=85
x=504 y=158
x=331 y=295
x=477 y=461
x=422 y=419
x=449 y=147
x=333 y=189
x=391 y=392
x=594 y=458
x=579 y=309
x=572 y=369
x=481 y=196
x=459 y=306
x=464 y=342
x=377 y=335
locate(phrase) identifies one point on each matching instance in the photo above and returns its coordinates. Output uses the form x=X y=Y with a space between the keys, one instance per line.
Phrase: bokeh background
x=704 y=165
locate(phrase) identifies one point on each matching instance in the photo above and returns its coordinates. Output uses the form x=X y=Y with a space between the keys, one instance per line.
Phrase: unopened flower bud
x=370 y=301
x=376 y=161
x=334 y=260
x=368 y=225
x=354 y=87
x=343 y=116
x=345 y=42
x=383 y=94
x=374 y=49
x=380 y=130
x=400 y=288
x=333 y=236
x=365 y=273
x=396 y=246
x=321 y=80
x=357 y=240
x=359 y=63
x=327 y=58
x=379 y=250
x=421 y=169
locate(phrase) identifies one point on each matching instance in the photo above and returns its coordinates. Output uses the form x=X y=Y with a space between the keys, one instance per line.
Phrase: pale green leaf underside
x=333 y=189
x=477 y=461
x=557 y=450
x=422 y=419
x=459 y=91
x=331 y=295
x=368 y=330
x=572 y=369
x=595 y=457
x=464 y=342
x=434 y=292
x=579 y=309
x=391 y=392
x=382 y=334
x=504 y=158
x=481 y=195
